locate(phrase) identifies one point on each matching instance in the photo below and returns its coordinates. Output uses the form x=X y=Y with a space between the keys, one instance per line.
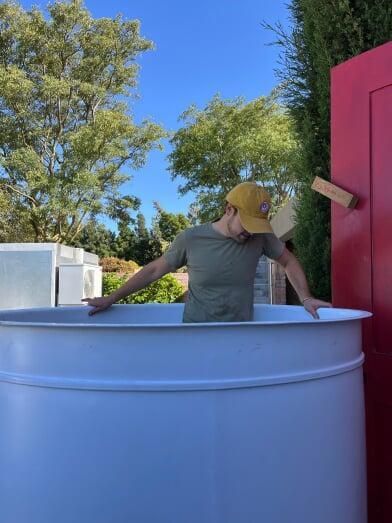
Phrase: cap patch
x=264 y=207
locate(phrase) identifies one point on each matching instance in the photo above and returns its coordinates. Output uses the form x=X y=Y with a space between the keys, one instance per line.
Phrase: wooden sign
x=334 y=192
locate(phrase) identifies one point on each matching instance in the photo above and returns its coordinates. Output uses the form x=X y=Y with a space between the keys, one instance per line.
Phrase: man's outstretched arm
x=150 y=273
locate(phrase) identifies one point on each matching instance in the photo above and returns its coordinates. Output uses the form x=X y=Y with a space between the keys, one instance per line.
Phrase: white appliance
x=78 y=281
x=46 y=275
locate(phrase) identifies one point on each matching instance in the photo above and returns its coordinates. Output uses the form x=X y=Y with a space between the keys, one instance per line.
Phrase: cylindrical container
x=130 y=416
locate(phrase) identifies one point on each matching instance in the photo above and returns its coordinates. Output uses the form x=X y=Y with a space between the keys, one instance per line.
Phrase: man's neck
x=221 y=226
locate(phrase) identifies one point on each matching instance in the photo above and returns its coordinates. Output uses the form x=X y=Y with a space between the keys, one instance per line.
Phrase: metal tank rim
x=349 y=315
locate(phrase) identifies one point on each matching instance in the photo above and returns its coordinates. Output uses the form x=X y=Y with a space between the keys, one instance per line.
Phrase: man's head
x=247 y=207
x=233 y=225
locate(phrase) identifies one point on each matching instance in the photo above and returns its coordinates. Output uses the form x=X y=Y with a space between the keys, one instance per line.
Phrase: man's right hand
x=98 y=304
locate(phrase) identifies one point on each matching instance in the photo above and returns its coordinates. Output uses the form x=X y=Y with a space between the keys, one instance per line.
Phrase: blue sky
x=202 y=47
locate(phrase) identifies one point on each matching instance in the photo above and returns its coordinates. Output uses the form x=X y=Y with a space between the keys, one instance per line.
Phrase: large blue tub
x=130 y=416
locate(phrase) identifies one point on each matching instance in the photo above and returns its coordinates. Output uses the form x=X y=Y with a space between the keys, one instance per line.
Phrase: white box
x=27 y=275
x=78 y=281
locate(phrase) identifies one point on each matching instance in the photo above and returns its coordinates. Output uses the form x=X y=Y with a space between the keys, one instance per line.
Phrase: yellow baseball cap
x=253 y=203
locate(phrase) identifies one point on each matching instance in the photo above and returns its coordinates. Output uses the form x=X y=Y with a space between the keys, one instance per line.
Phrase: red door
x=361 y=156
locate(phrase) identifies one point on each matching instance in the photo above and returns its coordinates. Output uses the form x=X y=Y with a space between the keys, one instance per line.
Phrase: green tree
x=323 y=34
x=147 y=247
x=125 y=241
x=66 y=134
x=12 y=229
x=193 y=215
x=230 y=141
x=96 y=238
x=169 y=224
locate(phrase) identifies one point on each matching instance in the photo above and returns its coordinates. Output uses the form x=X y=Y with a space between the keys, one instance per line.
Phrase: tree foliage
x=168 y=224
x=231 y=141
x=147 y=247
x=134 y=240
x=323 y=34
x=120 y=267
x=96 y=238
x=165 y=290
x=66 y=134
x=12 y=229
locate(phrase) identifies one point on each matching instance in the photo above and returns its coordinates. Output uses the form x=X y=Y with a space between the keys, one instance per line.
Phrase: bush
x=116 y=265
x=165 y=290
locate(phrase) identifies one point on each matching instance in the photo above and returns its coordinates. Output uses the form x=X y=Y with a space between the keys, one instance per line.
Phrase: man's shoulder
x=271 y=245
x=266 y=236
x=198 y=230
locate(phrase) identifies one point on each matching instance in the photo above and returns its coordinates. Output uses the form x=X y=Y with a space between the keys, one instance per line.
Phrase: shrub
x=116 y=265
x=165 y=290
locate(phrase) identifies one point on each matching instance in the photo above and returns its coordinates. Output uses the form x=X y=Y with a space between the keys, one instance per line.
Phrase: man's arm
x=150 y=273
x=297 y=278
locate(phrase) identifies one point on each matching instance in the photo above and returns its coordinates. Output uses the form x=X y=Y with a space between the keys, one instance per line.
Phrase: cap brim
x=254 y=225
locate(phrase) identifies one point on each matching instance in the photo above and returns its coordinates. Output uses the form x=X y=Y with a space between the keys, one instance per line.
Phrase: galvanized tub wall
x=131 y=415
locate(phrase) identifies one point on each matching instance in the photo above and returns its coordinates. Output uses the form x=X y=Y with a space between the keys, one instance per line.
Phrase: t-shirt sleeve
x=273 y=247
x=175 y=255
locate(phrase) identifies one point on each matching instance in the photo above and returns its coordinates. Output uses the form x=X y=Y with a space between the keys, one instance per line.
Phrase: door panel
x=381 y=216
x=361 y=162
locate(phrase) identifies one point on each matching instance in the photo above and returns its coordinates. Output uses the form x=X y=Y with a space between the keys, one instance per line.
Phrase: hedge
x=165 y=290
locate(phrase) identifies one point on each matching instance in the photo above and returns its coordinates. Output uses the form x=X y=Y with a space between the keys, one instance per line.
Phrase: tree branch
x=20 y=193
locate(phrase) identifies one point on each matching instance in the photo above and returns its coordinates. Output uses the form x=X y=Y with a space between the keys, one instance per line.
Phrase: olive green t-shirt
x=221 y=272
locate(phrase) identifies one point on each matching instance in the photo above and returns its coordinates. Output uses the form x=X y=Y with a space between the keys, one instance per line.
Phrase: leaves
x=112 y=264
x=230 y=141
x=169 y=224
x=165 y=290
x=66 y=134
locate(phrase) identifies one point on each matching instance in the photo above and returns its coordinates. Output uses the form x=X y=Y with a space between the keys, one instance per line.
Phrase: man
x=221 y=258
